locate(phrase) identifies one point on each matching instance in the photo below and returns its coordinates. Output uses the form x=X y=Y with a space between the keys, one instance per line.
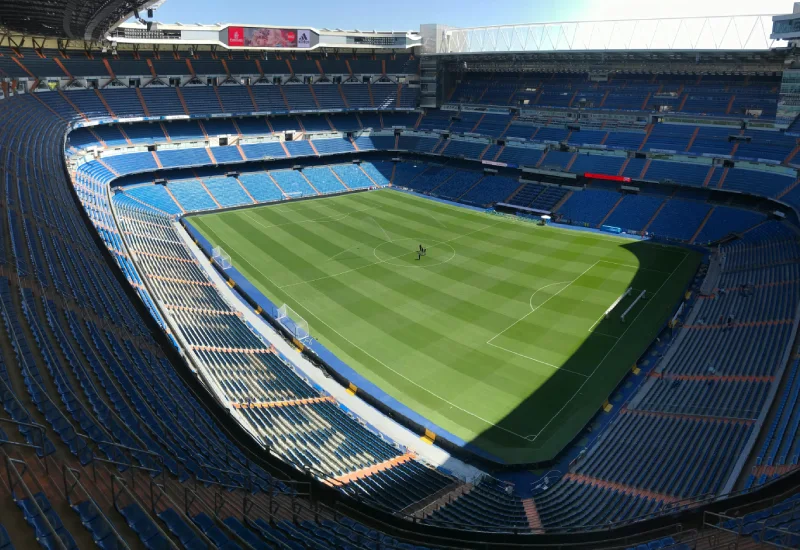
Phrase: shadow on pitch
x=560 y=411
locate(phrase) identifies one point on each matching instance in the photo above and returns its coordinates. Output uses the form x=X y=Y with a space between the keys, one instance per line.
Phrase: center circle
x=396 y=256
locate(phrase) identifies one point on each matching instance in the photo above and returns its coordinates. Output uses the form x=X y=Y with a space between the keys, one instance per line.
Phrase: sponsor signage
x=303 y=38
x=268 y=37
x=607 y=177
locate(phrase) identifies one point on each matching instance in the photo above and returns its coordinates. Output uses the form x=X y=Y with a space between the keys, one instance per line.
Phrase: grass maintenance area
x=497 y=334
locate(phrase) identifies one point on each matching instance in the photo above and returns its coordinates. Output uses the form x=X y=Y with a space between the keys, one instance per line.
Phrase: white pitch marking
x=389 y=239
x=555 y=367
x=340 y=253
x=530 y=300
x=633 y=266
x=612 y=347
x=365 y=352
x=325 y=219
x=384 y=260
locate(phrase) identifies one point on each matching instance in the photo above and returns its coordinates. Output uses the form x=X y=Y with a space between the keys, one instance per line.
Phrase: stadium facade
x=157 y=392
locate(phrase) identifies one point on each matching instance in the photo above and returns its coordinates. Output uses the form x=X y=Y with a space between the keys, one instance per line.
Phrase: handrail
x=15 y=481
x=36 y=427
x=118 y=487
x=69 y=489
x=162 y=493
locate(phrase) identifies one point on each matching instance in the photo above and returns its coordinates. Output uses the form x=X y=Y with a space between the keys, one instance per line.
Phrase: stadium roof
x=82 y=19
x=734 y=32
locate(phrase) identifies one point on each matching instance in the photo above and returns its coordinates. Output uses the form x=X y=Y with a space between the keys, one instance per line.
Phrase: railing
x=76 y=493
x=17 y=484
x=122 y=497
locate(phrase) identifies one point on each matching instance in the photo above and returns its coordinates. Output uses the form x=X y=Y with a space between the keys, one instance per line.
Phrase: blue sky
x=408 y=14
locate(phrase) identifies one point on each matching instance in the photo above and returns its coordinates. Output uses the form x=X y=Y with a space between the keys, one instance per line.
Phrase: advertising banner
x=264 y=37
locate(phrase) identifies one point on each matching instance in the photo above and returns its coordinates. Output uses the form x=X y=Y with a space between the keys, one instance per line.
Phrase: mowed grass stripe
x=420 y=333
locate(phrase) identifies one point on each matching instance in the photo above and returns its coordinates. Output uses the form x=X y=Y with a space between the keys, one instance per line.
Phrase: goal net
x=293 y=322
x=221 y=258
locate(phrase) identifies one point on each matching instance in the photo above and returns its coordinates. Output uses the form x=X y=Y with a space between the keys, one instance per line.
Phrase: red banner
x=235 y=36
x=606 y=177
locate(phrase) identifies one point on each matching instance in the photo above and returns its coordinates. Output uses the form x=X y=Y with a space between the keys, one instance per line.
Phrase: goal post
x=293 y=322
x=221 y=258
x=616 y=302
x=642 y=295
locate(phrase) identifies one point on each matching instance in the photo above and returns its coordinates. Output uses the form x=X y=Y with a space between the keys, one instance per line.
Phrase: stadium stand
x=88 y=388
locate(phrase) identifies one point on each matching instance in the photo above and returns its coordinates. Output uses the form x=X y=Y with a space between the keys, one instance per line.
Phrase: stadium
x=532 y=286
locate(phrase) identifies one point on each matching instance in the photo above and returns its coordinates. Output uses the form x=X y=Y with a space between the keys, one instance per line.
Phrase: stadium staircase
x=691 y=139
x=102 y=99
x=702 y=225
x=340 y=180
x=141 y=100
x=622 y=488
x=183 y=101
x=371 y=470
x=532 y=514
x=721 y=181
x=611 y=211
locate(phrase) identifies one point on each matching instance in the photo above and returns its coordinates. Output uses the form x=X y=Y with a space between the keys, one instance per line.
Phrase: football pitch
x=497 y=334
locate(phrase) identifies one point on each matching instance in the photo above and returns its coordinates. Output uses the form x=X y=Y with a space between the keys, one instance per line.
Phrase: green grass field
x=497 y=335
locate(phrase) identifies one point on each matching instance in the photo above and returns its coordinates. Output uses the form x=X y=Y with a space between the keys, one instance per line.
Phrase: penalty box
x=566 y=326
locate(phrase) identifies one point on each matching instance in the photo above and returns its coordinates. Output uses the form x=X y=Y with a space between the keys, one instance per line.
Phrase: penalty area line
x=633 y=322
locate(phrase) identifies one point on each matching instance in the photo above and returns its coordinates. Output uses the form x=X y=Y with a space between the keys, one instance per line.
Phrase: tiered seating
x=263 y=150
x=301 y=432
x=721 y=97
x=352 y=176
x=155 y=195
x=634 y=212
x=335 y=145
x=219 y=127
x=465 y=149
x=162 y=101
x=380 y=172
x=293 y=183
x=417 y=143
x=571 y=504
x=324 y=180
x=458 y=184
x=712 y=141
x=775 y=525
x=520 y=156
x=699 y=407
x=669 y=137
x=171 y=158
x=489 y=190
x=679 y=172
x=303 y=148
x=202 y=99
x=140 y=402
x=131 y=162
x=431 y=178
x=485 y=505
x=235 y=99
x=773 y=146
x=757 y=182
x=261 y=186
x=124 y=101
x=227 y=191
x=679 y=219
x=725 y=220
x=191 y=195
x=589 y=206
